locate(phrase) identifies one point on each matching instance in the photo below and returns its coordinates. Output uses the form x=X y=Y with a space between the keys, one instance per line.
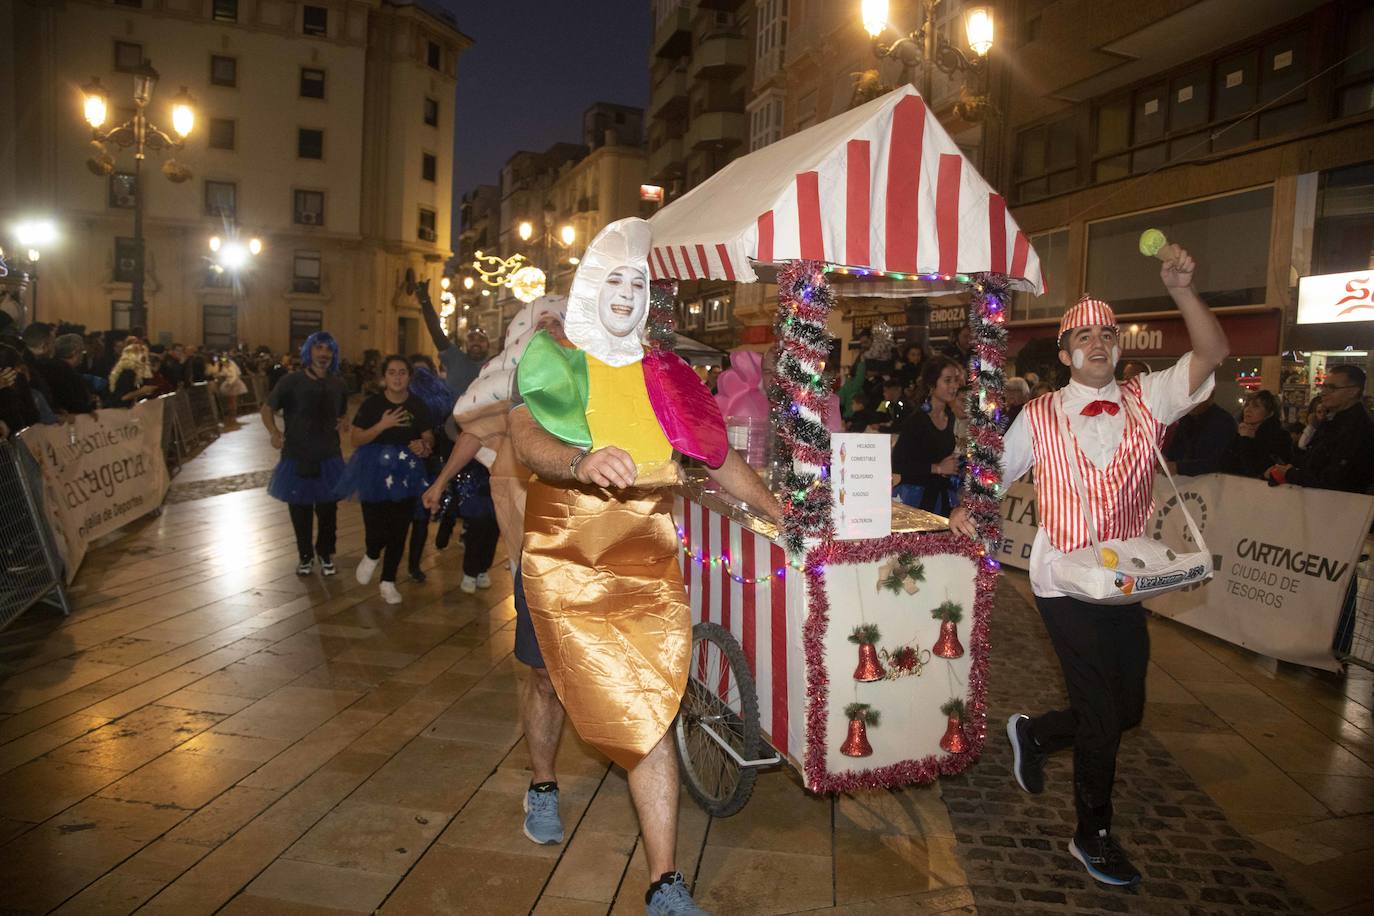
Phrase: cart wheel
x=721 y=693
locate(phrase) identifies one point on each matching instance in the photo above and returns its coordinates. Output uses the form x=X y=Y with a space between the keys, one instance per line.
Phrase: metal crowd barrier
x=1355 y=632
x=30 y=566
x=204 y=410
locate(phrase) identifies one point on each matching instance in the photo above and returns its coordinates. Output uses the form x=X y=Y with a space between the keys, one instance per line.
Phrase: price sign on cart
x=861 y=485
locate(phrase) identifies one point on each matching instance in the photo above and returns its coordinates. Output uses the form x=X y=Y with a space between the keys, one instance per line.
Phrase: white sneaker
x=366 y=567
x=468 y=585
x=483 y=580
x=390 y=594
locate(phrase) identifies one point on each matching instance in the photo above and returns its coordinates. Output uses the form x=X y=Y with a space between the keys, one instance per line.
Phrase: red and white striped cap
x=1087 y=312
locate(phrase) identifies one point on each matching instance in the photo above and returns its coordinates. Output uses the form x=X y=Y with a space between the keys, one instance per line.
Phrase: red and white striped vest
x=1118 y=495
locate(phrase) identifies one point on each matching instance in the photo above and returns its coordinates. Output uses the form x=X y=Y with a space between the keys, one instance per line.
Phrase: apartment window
x=431 y=112
x=426 y=230
x=315 y=20
x=122 y=190
x=305 y=272
x=765 y=121
x=225 y=10
x=771 y=39
x=125 y=260
x=221 y=133
x=428 y=166
x=1047 y=159
x=434 y=55
x=221 y=199
x=1355 y=80
x=224 y=71
x=121 y=314
x=304 y=322
x=221 y=326
x=128 y=56
x=1053 y=249
x=1229 y=237
x=718 y=312
x=310 y=143
x=308 y=208
x=312 y=83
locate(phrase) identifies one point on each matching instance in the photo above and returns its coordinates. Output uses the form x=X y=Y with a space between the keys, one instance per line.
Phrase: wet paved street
x=208 y=732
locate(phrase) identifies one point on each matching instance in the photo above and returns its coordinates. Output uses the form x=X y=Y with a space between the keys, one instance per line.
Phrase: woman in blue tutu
x=312 y=401
x=392 y=437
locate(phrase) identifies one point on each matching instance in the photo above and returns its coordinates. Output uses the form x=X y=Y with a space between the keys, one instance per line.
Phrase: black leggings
x=384 y=529
x=301 y=518
x=480 y=537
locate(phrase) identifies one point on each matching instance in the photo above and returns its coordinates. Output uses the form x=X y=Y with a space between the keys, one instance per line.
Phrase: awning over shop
x=880 y=188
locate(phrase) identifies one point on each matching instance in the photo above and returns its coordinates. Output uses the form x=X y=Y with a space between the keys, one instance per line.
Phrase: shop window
x=308 y=208
x=1343 y=237
x=305 y=272
x=309 y=143
x=221 y=133
x=1228 y=236
x=312 y=83
x=224 y=71
x=1053 y=249
x=221 y=199
x=1047 y=159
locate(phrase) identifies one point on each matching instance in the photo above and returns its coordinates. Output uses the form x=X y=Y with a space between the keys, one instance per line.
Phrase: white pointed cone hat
x=624 y=243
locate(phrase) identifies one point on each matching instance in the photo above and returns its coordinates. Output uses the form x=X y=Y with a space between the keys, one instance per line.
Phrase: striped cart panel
x=756 y=613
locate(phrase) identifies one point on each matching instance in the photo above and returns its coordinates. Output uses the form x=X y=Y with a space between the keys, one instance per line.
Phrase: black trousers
x=480 y=537
x=301 y=519
x=385 y=526
x=1104 y=651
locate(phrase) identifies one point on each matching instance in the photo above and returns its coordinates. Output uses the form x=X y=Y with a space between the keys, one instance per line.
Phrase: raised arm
x=432 y=322
x=1205 y=336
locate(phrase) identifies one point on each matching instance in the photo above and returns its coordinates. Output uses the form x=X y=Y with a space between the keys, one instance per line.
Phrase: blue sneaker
x=669 y=896
x=542 y=823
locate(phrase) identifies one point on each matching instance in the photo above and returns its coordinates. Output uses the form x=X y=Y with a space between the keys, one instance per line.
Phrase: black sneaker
x=306 y=566
x=327 y=567
x=417 y=574
x=1028 y=761
x=1104 y=860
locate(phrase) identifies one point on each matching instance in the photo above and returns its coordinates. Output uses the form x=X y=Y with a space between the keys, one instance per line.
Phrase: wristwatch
x=577 y=459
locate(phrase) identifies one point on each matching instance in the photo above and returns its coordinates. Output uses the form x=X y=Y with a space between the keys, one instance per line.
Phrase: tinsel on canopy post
x=983 y=487
x=660 y=330
x=798 y=397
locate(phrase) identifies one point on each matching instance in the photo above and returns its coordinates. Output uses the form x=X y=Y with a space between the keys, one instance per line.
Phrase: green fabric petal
x=553 y=381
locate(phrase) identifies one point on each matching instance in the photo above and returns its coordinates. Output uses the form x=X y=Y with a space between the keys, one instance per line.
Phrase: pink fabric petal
x=685 y=409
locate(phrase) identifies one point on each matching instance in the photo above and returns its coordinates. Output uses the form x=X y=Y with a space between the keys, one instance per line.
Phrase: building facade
x=323 y=129
x=1242 y=129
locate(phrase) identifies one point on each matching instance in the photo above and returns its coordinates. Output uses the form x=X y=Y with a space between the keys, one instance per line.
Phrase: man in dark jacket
x=1200 y=440
x=70 y=392
x=1341 y=456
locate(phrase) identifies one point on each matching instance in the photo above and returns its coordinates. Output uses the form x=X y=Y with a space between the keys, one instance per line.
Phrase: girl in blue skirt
x=392 y=437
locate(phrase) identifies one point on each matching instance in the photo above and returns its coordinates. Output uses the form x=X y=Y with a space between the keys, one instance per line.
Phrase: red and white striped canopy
x=881 y=188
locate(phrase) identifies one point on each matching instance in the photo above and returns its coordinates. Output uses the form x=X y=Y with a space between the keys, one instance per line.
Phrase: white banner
x=1283 y=559
x=99 y=473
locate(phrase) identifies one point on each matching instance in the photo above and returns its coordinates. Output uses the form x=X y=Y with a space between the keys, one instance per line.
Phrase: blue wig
x=435 y=393
x=321 y=337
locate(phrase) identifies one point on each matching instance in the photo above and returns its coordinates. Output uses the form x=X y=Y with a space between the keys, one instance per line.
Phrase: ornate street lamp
x=32 y=237
x=924 y=47
x=141 y=135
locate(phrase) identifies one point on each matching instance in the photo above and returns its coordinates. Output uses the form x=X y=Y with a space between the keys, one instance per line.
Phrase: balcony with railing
x=673 y=35
x=669 y=97
x=718 y=130
x=667 y=160
x=720 y=54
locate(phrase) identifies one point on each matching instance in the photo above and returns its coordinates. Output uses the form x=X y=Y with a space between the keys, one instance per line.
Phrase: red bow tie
x=1096 y=407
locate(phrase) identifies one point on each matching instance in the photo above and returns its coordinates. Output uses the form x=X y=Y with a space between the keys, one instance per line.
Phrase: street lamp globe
x=36 y=234
x=96 y=105
x=33 y=254
x=467 y=283
x=255 y=246
x=874 y=13
x=445 y=283
x=525 y=230
x=183 y=115
x=568 y=234
x=215 y=243
x=233 y=255
x=978 y=25
x=145 y=79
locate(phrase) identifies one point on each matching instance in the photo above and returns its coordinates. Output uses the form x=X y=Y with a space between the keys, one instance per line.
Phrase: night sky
x=533 y=68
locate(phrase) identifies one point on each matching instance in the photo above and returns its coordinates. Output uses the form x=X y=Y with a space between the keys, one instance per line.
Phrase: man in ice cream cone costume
x=601 y=421
x=1103 y=650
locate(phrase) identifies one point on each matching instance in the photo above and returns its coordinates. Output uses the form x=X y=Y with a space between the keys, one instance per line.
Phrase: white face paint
x=1116 y=355
x=1079 y=358
x=622 y=300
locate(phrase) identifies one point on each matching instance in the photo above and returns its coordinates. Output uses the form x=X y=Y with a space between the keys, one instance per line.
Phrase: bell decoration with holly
x=947 y=646
x=902 y=573
x=870 y=669
x=860 y=716
x=954 y=740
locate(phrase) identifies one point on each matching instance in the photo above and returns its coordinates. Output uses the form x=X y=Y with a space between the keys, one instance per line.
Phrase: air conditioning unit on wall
x=308 y=218
x=427 y=235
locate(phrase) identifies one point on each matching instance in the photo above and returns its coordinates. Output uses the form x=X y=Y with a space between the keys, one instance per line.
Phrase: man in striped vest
x=1103 y=650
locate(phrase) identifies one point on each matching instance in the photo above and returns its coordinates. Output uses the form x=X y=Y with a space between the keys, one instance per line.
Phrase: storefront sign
x=1332 y=298
x=861 y=485
x=1283 y=557
x=99 y=473
x=948 y=317
x=866 y=322
x=651 y=192
x=1248 y=335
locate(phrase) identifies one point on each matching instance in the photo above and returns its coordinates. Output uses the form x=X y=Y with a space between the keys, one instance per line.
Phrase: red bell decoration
x=870 y=669
x=856 y=743
x=947 y=646
x=954 y=740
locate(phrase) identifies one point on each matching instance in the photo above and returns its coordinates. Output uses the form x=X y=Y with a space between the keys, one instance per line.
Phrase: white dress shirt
x=1166 y=395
